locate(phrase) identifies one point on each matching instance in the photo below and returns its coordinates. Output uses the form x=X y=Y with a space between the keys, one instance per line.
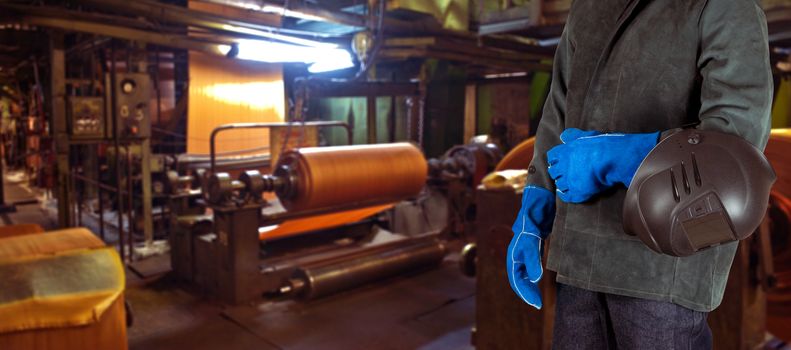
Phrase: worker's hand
x=523 y=260
x=589 y=162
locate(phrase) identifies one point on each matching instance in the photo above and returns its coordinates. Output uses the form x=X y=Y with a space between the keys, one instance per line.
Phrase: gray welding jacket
x=638 y=66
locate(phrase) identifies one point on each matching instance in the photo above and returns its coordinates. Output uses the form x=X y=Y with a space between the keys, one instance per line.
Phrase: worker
x=626 y=74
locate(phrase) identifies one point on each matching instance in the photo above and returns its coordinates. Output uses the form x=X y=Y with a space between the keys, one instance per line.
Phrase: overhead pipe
x=393 y=25
x=176 y=14
x=338 y=17
x=175 y=41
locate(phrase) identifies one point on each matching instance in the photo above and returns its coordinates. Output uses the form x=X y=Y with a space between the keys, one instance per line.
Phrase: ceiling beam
x=338 y=17
x=169 y=40
x=153 y=10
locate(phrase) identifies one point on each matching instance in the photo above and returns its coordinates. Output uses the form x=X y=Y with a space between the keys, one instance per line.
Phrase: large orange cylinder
x=352 y=175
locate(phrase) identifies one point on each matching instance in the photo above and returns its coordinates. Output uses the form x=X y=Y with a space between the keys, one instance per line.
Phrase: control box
x=86 y=117
x=132 y=99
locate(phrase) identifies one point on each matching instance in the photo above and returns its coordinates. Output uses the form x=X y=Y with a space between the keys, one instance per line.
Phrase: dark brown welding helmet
x=697 y=189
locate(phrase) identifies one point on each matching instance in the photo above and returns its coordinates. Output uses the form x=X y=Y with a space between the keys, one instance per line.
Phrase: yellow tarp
x=58 y=279
x=68 y=289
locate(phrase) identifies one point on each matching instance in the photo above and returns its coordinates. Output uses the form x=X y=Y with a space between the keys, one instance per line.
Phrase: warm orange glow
x=262 y=96
x=223 y=91
x=783 y=132
x=319 y=222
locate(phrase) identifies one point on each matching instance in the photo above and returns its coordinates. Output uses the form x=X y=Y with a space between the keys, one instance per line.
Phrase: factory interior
x=300 y=174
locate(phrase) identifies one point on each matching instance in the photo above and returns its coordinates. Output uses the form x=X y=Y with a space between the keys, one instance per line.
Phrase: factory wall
x=444 y=108
x=353 y=110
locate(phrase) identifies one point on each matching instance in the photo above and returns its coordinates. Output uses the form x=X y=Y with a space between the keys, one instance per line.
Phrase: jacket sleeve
x=553 y=116
x=736 y=88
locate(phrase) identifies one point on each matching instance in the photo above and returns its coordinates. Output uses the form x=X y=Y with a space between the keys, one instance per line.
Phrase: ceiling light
x=320 y=59
x=330 y=64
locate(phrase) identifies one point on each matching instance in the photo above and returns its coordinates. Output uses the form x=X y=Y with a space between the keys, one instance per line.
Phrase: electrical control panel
x=132 y=99
x=86 y=117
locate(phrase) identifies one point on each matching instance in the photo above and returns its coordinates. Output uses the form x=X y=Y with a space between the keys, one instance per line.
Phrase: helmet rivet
x=694 y=139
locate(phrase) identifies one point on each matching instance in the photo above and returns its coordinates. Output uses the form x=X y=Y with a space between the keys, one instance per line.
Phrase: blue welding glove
x=523 y=260
x=589 y=162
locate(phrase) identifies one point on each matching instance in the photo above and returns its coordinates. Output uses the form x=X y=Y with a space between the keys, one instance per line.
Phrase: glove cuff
x=642 y=145
x=537 y=213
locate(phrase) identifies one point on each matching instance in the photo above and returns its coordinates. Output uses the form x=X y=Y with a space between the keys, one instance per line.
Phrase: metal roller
x=323 y=177
x=333 y=275
x=471 y=162
x=221 y=188
x=176 y=183
x=254 y=185
x=344 y=175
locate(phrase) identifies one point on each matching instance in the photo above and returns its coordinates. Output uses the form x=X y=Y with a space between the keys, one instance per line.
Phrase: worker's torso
x=634 y=68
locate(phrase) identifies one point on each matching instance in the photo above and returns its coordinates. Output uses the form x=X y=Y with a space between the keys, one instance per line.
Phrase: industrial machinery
x=87 y=118
x=105 y=153
x=321 y=220
x=90 y=118
x=132 y=95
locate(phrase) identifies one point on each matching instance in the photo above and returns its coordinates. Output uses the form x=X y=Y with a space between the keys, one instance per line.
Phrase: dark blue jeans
x=588 y=320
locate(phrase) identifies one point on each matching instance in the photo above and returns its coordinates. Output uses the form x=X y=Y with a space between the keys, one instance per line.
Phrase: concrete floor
x=430 y=310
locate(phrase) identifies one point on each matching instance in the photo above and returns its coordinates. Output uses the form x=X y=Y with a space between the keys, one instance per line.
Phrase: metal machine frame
x=222 y=254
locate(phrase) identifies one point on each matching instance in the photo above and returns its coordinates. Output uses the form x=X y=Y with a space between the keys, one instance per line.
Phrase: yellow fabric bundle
x=59 y=279
x=49 y=243
x=505 y=179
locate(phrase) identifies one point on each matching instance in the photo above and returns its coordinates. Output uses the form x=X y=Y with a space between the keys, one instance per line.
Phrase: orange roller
x=347 y=175
x=519 y=157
